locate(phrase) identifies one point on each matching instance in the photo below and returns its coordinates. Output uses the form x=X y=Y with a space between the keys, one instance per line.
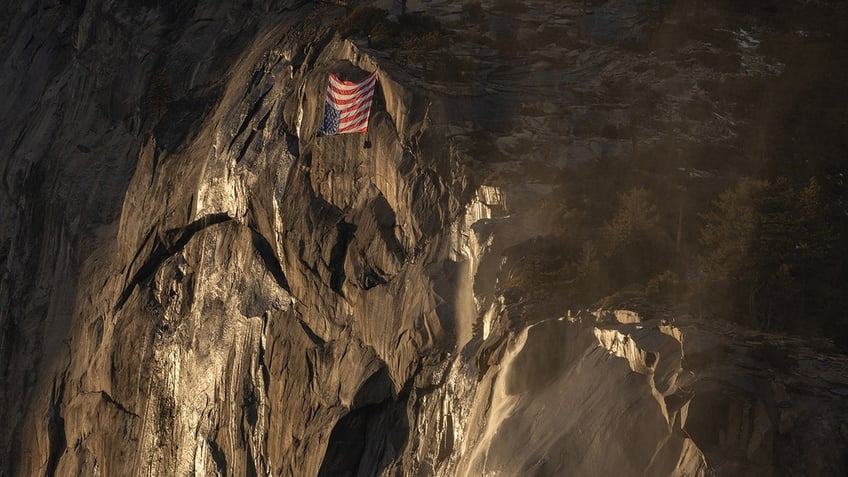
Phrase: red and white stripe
x=353 y=101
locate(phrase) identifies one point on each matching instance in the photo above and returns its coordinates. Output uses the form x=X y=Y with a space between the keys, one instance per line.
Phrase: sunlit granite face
x=193 y=282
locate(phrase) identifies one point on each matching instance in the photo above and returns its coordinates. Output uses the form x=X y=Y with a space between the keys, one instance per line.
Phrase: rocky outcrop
x=193 y=282
x=765 y=404
x=624 y=382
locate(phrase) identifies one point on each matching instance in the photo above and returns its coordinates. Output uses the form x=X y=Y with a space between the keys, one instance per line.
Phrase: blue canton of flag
x=331 y=120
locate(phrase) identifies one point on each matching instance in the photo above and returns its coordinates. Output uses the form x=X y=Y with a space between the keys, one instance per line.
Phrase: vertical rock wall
x=192 y=282
x=251 y=286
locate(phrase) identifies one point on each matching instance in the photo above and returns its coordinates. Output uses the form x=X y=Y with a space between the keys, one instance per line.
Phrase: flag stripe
x=351 y=126
x=344 y=126
x=341 y=96
x=355 y=110
x=349 y=85
x=353 y=120
x=352 y=100
x=347 y=89
x=359 y=129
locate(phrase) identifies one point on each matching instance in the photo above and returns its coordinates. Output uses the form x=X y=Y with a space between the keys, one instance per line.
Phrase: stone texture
x=193 y=283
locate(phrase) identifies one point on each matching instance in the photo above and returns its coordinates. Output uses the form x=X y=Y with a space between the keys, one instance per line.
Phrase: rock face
x=194 y=283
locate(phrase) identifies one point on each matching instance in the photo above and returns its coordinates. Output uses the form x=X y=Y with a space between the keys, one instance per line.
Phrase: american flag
x=348 y=105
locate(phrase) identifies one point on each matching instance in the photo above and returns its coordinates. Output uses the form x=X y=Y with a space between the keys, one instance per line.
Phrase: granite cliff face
x=194 y=283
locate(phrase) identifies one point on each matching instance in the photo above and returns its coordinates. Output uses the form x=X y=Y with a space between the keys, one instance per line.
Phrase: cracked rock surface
x=193 y=283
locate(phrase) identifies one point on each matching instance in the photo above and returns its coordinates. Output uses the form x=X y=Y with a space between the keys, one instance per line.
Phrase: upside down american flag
x=348 y=105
